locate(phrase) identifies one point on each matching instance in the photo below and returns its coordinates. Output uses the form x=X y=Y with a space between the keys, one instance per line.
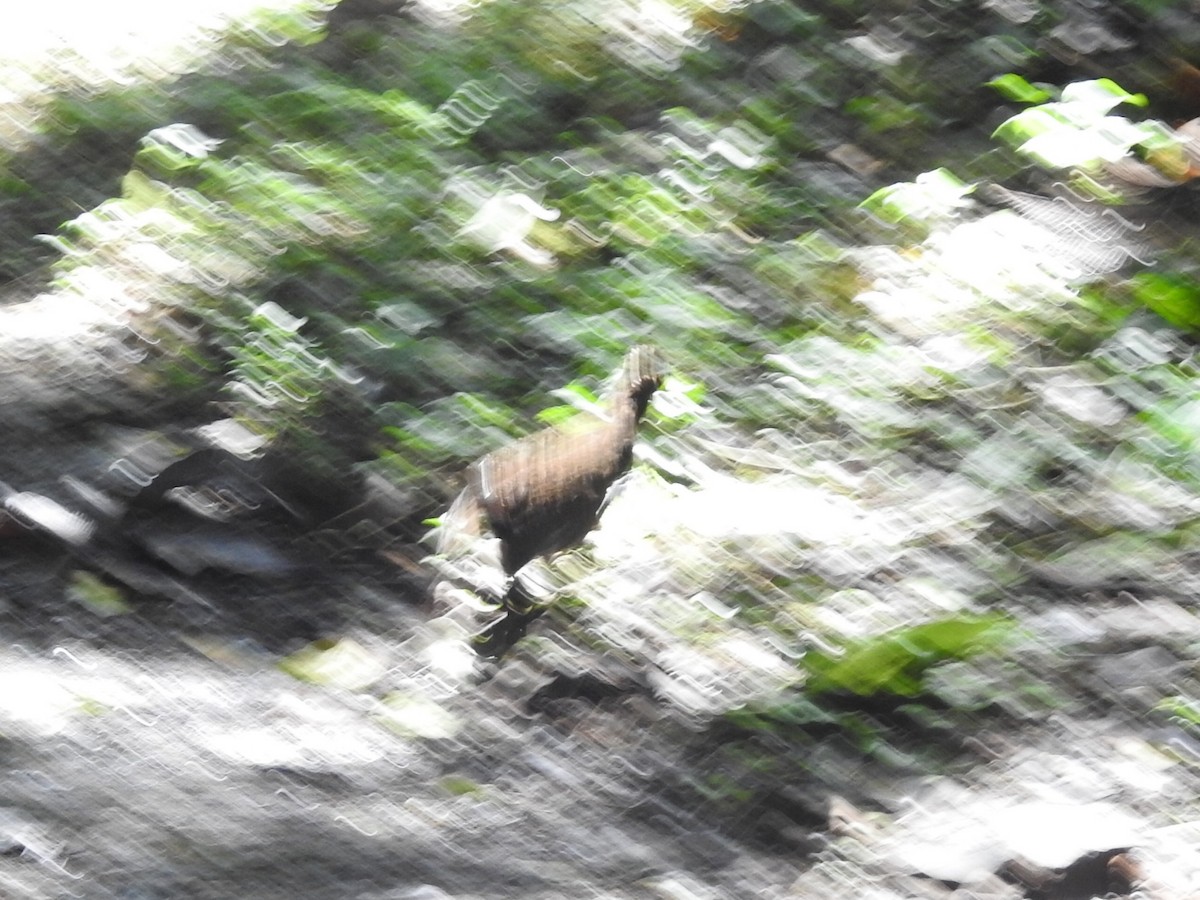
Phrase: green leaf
x=415 y=716
x=478 y=410
x=557 y=415
x=102 y=599
x=1180 y=708
x=1031 y=123
x=934 y=194
x=1014 y=87
x=342 y=663
x=1102 y=95
x=1174 y=297
x=1078 y=131
x=894 y=662
x=458 y=786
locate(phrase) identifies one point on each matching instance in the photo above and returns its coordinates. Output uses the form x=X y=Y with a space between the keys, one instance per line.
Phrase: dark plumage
x=544 y=493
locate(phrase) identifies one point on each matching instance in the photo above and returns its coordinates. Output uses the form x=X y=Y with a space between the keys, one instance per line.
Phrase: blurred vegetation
x=386 y=242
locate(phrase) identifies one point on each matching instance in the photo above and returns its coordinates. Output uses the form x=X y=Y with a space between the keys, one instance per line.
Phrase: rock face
x=154 y=512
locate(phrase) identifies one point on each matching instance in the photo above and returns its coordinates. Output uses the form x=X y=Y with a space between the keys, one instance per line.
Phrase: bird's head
x=641 y=375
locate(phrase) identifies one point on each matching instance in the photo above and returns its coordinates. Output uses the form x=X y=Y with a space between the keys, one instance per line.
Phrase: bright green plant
x=893 y=663
x=1078 y=130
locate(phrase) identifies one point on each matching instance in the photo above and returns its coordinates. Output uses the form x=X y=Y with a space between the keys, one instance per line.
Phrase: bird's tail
x=461 y=525
x=465 y=557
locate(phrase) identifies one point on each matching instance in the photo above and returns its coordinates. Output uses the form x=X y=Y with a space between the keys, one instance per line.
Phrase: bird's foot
x=497 y=638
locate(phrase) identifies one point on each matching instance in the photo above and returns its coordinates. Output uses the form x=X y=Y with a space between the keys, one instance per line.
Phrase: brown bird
x=545 y=492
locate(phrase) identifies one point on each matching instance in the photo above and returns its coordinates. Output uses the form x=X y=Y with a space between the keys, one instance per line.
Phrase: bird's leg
x=519 y=611
x=499 y=637
x=517 y=598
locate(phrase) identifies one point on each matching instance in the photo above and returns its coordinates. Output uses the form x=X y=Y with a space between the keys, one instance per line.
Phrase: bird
x=544 y=493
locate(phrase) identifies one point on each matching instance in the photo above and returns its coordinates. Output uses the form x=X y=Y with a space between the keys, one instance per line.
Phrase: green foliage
x=1180 y=708
x=884 y=113
x=281 y=381
x=1109 y=303
x=558 y=415
x=798 y=709
x=893 y=663
x=415 y=716
x=300 y=24
x=342 y=663
x=459 y=785
x=1173 y=296
x=1176 y=420
x=933 y=197
x=1077 y=130
x=346 y=197
x=102 y=599
x=1014 y=87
